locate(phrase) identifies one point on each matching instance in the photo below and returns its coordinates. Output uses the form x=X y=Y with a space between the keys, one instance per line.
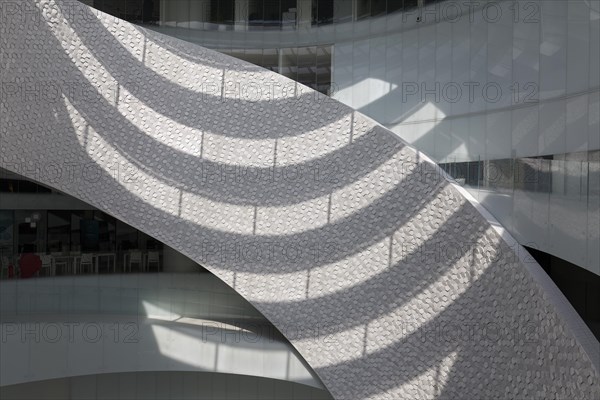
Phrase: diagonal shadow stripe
x=119 y=62
x=274 y=186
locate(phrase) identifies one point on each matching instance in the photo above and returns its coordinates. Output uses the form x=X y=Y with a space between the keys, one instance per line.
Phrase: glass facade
x=66 y=241
x=252 y=14
x=550 y=203
x=68 y=235
x=569 y=174
x=310 y=66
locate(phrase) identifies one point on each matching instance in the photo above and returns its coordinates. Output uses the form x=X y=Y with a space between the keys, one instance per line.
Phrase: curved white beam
x=440 y=249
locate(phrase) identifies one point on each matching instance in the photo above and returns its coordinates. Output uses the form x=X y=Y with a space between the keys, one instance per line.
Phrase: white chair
x=48 y=267
x=135 y=257
x=86 y=261
x=61 y=261
x=153 y=258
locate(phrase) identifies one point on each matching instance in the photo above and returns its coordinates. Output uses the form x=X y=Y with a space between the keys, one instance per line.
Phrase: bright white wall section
x=506 y=79
x=74 y=326
x=501 y=80
x=361 y=257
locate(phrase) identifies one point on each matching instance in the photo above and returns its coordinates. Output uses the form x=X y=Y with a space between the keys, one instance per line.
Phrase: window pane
x=271 y=59
x=176 y=13
x=410 y=4
x=59 y=232
x=378 y=7
x=394 y=5
x=272 y=13
x=307 y=62
x=324 y=69
x=255 y=13
x=6 y=235
x=342 y=10
x=363 y=9
x=289 y=63
x=324 y=12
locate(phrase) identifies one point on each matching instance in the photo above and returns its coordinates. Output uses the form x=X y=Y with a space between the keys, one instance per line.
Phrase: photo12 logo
x=489 y=11
x=68 y=332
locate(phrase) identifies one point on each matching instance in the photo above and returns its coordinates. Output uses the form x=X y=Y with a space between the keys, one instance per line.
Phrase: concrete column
x=304 y=13
x=175 y=13
x=279 y=61
x=199 y=13
x=241 y=14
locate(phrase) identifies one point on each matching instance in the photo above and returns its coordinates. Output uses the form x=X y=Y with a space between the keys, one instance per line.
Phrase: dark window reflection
x=567 y=174
x=323 y=11
x=310 y=67
x=255 y=14
x=363 y=9
x=410 y=4
x=395 y=5
x=222 y=11
x=581 y=287
x=272 y=14
x=289 y=14
x=65 y=242
x=378 y=7
x=59 y=233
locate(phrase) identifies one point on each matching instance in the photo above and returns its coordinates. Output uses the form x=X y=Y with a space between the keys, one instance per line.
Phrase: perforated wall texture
x=385 y=278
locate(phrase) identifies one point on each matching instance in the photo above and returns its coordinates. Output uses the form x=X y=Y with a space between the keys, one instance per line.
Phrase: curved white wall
x=345 y=238
x=62 y=327
x=507 y=79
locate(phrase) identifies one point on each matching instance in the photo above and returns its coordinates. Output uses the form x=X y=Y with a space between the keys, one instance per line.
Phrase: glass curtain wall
x=69 y=234
x=550 y=202
x=250 y=14
x=66 y=241
x=571 y=174
x=310 y=66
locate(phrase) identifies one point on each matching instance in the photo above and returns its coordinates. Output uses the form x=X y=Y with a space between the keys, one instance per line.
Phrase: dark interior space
x=581 y=287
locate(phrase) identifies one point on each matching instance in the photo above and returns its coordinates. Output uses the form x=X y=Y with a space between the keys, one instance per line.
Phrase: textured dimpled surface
x=387 y=281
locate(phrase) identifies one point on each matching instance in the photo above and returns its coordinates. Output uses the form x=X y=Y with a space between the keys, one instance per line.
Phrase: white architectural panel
x=420 y=295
